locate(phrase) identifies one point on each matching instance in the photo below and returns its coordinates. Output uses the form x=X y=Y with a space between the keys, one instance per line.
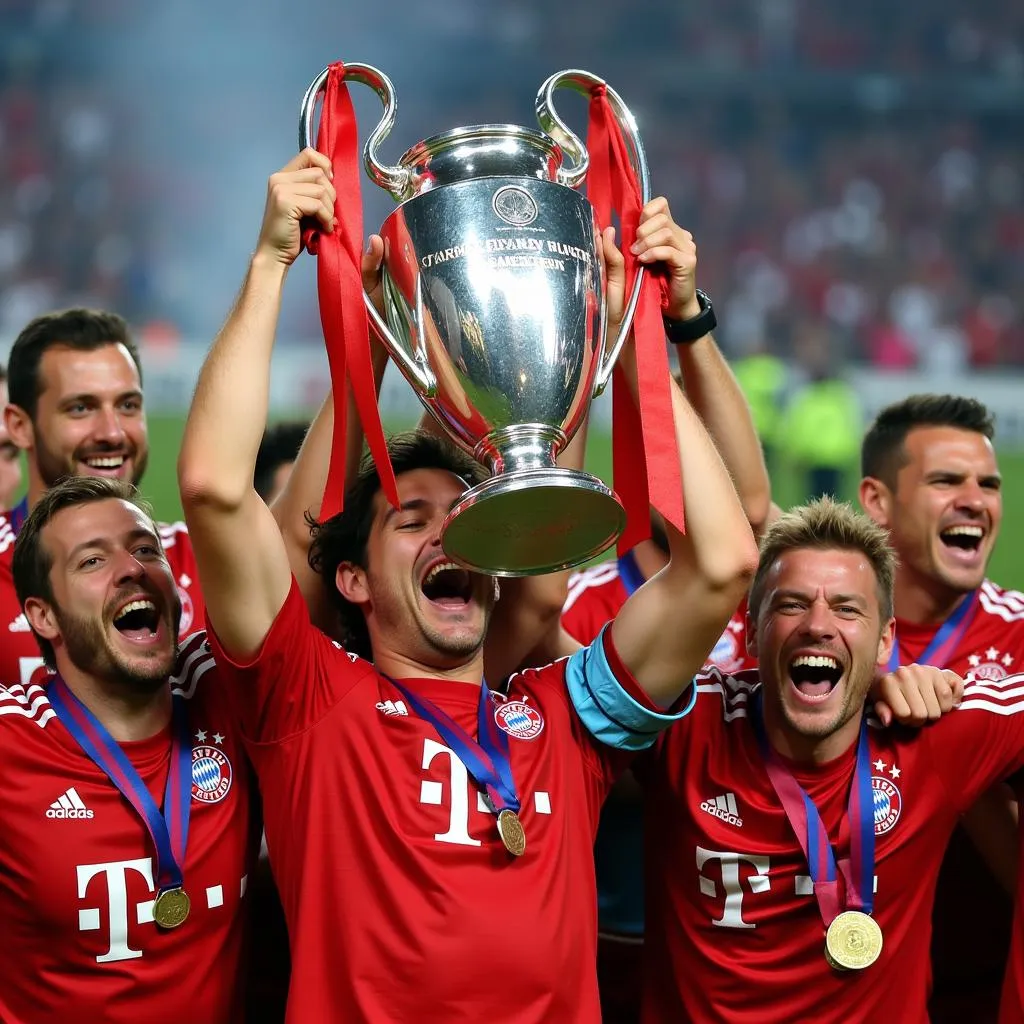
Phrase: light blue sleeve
x=610 y=714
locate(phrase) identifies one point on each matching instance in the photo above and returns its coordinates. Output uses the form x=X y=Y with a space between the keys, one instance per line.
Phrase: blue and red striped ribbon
x=945 y=641
x=486 y=759
x=169 y=828
x=858 y=870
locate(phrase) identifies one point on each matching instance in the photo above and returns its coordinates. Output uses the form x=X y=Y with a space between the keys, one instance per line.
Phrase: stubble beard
x=54 y=467
x=89 y=651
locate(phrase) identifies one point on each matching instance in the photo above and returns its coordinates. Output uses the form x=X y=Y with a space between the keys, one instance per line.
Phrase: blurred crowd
x=73 y=202
x=892 y=236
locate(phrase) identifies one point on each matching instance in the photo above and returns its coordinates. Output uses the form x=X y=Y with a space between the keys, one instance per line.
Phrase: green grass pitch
x=1007 y=567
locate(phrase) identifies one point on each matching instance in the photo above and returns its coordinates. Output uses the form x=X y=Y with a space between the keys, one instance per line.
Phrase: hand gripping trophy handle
x=584 y=82
x=496 y=314
x=395 y=180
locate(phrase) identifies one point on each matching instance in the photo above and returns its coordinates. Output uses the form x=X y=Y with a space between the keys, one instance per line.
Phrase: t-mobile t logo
x=116 y=876
x=732 y=889
x=460 y=792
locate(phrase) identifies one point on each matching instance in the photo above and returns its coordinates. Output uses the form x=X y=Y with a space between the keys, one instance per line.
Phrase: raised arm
x=708 y=382
x=242 y=557
x=666 y=629
x=305 y=488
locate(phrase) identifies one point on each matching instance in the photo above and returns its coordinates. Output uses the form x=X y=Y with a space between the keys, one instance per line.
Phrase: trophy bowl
x=495 y=312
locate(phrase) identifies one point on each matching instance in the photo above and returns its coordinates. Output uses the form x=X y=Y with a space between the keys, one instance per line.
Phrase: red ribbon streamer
x=340 y=289
x=653 y=479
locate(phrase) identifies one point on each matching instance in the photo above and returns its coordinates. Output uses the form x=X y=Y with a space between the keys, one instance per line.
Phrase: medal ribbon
x=859 y=870
x=945 y=641
x=340 y=291
x=487 y=761
x=648 y=474
x=17 y=515
x=629 y=573
x=169 y=829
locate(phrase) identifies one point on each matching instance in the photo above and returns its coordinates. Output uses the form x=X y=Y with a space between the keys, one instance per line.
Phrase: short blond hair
x=827 y=525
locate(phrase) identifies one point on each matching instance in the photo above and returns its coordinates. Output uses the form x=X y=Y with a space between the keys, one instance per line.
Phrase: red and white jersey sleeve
x=397 y=890
x=733 y=930
x=77 y=871
x=972 y=923
x=178 y=548
x=19 y=653
x=20 y=660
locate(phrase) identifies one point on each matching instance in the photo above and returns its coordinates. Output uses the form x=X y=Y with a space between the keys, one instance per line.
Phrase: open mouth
x=965 y=538
x=448 y=585
x=137 y=620
x=815 y=675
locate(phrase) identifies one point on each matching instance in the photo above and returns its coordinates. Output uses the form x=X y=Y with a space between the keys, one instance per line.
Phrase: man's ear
x=877 y=500
x=350 y=579
x=19 y=426
x=885 y=645
x=42 y=619
x=750 y=632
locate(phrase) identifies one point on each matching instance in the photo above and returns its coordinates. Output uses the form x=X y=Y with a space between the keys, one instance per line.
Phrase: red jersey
x=401 y=901
x=595 y=595
x=77 y=871
x=972 y=923
x=20 y=661
x=733 y=930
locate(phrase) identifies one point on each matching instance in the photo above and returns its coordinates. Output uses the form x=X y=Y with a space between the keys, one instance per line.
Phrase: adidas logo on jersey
x=20 y=625
x=393 y=707
x=724 y=808
x=69 y=805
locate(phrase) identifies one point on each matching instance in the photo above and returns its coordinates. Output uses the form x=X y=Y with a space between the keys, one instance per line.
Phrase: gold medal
x=171 y=907
x=510 y=828
x=853 y=941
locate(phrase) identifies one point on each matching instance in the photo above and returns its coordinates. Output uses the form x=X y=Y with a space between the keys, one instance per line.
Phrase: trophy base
x=532 y=522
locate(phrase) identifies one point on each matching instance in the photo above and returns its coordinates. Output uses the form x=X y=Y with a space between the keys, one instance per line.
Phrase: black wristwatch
x=685 y=332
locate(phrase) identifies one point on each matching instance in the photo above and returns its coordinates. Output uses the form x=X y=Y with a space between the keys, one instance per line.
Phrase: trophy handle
x=392 y=179
x=584 y=82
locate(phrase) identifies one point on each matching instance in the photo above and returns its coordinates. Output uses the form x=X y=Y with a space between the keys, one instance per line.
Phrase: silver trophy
x=496 y=315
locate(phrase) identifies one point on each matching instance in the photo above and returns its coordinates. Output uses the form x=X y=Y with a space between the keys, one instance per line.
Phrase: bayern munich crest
x=726 y=654
x=519 y=719
x=887 y=803
x=211 y=774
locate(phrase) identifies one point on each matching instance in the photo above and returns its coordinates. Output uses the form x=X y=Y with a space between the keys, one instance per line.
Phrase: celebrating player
x=930 y=478
x=431 y=837
x=125 y=805
x=595 y=595
x=76 y=410
x=792 y=848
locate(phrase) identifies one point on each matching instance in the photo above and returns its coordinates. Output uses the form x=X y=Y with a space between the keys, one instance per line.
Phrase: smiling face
x=89 y=419
x=417 y=602
x=819 y=641
x=943 y=516
x=115 y=610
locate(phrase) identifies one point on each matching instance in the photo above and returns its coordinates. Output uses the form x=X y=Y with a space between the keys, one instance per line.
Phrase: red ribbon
x=340 y=290
x=653 y=479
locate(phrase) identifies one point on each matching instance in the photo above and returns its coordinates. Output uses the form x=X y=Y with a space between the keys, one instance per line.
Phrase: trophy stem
x=520 y=447
x=532 y=516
